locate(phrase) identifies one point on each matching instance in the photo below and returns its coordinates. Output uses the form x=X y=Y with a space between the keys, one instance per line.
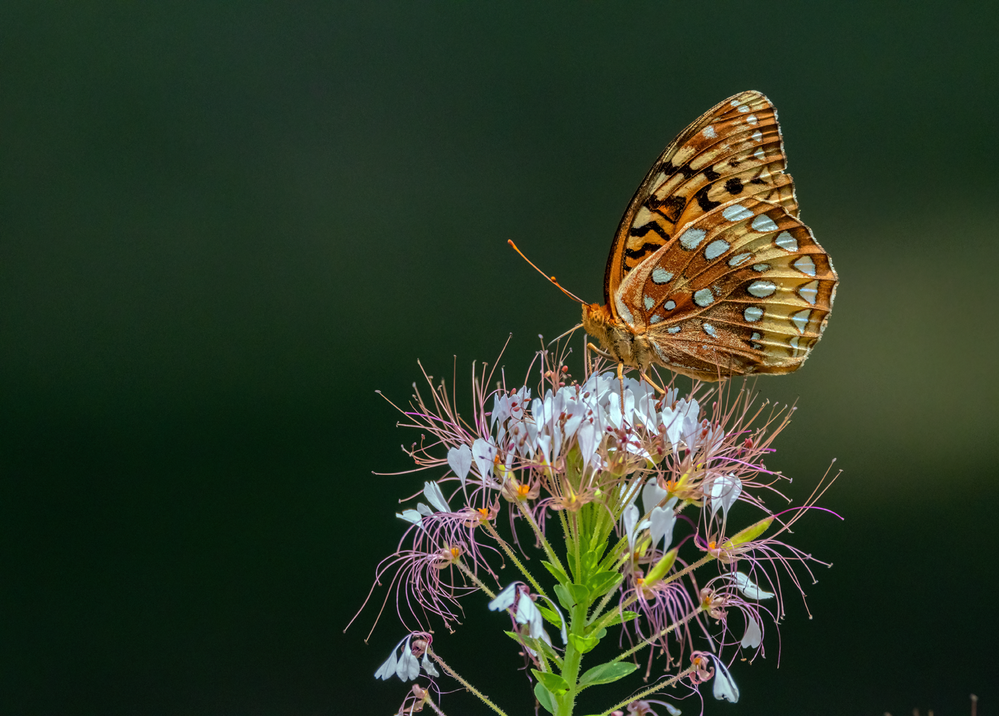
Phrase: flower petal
x=723 y=492
x=661 y=525
x=725 y=687
x=652 y=495
x=410 y=516
x=505 y=599
x=483 y=453
x=459 y=459
x=748 y=587
x=387 y=670
x=432 y=491
x=428 y=666
x=753 y=636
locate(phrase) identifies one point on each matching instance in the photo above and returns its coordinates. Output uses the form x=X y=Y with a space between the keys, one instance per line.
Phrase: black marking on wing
x=651 y=226
x=704 y=202
x=711 y=175
x=669 y=170
x=734 y=185
x=640 y=251
x=671 y=207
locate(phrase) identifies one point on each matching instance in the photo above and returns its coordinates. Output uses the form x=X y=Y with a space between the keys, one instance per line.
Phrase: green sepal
x=559 y=575
x=553 y=682
x=618 y=618
x=544 y=697
x=662 y=567
x=607 y=673
x=583 y=644
x=751 y=532
x=564 y=597
x=603 y=582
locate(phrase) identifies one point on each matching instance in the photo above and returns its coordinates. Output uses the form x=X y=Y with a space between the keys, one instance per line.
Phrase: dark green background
x=223 y=227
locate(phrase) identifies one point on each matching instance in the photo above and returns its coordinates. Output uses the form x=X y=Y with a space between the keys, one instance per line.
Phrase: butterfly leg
x=601 y=353
x=651 y=382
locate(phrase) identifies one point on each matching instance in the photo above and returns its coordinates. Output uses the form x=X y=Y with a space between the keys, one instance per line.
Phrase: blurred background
x=224 y=226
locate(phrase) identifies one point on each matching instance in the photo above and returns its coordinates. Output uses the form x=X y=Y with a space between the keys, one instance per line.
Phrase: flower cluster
x=637 y=501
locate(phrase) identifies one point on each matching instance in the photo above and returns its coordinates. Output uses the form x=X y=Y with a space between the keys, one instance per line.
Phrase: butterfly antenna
x=567 y=333
x=573 y=296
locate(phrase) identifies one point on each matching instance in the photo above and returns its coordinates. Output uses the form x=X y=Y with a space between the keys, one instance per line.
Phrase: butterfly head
x=616 y=338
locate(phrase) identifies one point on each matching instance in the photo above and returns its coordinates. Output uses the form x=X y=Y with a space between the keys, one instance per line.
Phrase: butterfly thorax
x=617 y=338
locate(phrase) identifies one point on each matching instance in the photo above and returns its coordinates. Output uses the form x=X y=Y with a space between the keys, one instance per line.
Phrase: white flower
x=415 y=516
x=428 y=667
x=483 y=453
x=661 y=524
x=631 y=524
x=652 y=495
x=748 y=587
x=432 y=491
x=753 y=636
x=725 y=687
x=406 y=666
x=459 y=459
x=723 y=492
x=505 y=599
x=681 y=424
x=527 y=613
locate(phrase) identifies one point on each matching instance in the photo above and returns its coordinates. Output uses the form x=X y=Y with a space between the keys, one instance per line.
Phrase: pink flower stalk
x=632 y=500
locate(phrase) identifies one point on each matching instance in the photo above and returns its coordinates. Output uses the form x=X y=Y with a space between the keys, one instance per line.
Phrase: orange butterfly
x=711 y=273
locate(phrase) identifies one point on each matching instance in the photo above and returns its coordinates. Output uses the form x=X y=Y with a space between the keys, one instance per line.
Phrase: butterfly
x=711 y=273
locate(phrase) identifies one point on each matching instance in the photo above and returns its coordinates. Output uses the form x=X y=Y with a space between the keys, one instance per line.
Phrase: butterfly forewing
x=733 y=150
x=711 y=272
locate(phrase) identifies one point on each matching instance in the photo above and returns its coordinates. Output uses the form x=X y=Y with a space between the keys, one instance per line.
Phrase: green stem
x=513 y=558
x=648 y=642
x=651 y=690
x=454 y=675
x=571 y=661
x=474 y=578
x=540 y=536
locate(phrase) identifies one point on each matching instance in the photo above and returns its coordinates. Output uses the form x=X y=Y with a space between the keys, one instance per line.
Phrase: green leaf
x=559 y=575
x=541 y=646
x=580 y=594
x=583 y=644
x=618 y=618
x=544 y=697
x=564 y=597
x=602 y=582
x=606 y=673
x=553 y=682
x=550 y=616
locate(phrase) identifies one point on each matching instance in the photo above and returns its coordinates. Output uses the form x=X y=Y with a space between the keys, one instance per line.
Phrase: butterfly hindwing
x=743 y=289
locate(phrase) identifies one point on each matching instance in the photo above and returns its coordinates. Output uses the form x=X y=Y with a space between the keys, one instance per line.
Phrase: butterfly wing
x=744 y=288
x=734 y=150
